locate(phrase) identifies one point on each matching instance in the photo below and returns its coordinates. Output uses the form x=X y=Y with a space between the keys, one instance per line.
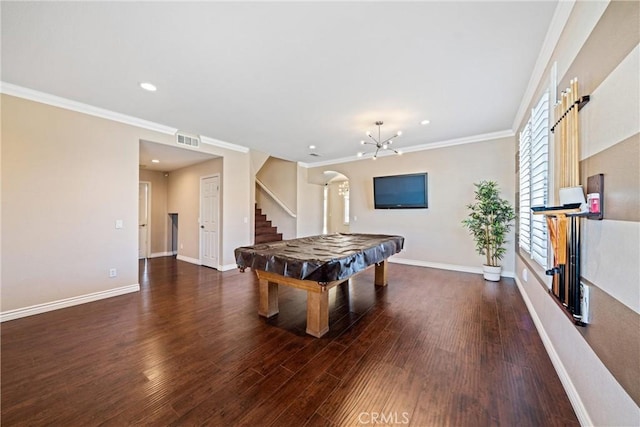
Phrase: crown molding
x=67 y=104
x=422 y=147
x=223 y=144
x=558 y=22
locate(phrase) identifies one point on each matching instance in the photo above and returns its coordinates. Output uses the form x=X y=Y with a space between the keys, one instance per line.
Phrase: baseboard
x=67 y=302
x=188 y=259
x=227 y=267
x=567 y=384
x=160 y=254
x=441 y=266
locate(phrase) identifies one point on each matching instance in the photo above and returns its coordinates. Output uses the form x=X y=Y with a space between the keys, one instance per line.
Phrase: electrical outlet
x=181 y=246
x=113 y=272
x=525 y=274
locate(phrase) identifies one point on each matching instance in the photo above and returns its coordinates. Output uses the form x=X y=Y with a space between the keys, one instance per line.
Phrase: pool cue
x=572 y=266
x=553 y=236
x=562 y=255
x=569 y=140
x=576 y=295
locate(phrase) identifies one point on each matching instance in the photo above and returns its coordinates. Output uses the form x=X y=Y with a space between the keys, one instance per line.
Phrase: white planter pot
x=491 y=273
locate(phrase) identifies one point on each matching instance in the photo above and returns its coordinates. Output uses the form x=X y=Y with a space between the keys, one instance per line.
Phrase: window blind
x=534 y=173
x=539 y=177
x=525 y=188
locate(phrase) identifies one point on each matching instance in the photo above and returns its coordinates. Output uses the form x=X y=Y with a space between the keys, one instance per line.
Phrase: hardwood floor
x=432 y=348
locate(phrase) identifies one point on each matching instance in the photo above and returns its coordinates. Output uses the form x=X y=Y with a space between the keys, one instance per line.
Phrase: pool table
x=315 y=264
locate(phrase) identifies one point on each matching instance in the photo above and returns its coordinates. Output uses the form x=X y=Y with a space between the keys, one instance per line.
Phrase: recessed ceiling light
x=425 y=122
x=155 y=161
x=148 y=86
x=312 y=147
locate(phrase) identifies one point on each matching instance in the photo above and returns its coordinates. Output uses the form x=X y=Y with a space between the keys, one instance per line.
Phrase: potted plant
x=489 y=222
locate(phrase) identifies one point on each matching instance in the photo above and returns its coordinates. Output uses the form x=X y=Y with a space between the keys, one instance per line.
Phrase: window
x=346 y=208
x=534 y=179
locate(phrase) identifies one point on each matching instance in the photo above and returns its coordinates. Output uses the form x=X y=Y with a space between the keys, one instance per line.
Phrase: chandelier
x=379 y=143
x=343 y=189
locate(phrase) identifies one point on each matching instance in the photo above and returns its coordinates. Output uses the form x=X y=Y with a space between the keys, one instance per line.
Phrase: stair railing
x=276 y=199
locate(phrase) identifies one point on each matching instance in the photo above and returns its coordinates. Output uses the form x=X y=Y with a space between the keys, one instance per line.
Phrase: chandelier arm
x=389 y=139
x=373 y=137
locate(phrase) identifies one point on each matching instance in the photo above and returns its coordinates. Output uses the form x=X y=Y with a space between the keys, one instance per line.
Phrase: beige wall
x=184 y=199
x=433 y=236
x=309 y=206
x=66 y=178
x=160 y=224
x=280 y=177
x=599 y=363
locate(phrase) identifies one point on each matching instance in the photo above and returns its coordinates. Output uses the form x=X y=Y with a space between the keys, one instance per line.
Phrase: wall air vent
x=187 y=140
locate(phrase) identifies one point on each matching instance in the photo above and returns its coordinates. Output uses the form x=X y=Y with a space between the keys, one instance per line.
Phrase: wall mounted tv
x=401 y=191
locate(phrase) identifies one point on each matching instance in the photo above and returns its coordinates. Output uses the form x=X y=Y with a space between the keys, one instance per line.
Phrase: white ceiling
x=169 y=158
x=278 y=77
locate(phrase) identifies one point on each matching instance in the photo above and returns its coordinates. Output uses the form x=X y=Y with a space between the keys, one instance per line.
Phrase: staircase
x=264 y=231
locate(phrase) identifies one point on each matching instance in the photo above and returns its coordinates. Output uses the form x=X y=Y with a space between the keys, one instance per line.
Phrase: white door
x=209 y=206
x=143 y=220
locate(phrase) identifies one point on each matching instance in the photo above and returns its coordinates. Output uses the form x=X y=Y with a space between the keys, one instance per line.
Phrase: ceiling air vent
x=314 y=154
x=188 y=140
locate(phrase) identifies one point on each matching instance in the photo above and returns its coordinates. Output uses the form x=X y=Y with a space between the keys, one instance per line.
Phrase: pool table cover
x=325 y=258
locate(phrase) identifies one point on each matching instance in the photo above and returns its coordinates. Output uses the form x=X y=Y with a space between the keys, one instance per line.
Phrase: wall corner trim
x=67 y=302
x=569 y=387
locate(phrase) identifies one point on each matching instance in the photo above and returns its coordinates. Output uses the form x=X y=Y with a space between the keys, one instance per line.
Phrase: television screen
x=400 y=191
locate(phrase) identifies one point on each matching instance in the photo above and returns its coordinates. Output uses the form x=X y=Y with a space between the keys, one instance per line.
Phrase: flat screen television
x=401 y=191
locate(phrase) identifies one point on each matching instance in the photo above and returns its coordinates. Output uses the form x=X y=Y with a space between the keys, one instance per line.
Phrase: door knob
x=202 y=226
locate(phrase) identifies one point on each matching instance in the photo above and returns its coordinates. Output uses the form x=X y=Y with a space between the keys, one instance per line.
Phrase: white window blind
x=539 y=177
x=525 y=188
x=534 y=173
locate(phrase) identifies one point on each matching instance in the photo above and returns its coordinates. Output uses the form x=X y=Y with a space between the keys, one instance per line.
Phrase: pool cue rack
x=564 y=224
x=564 y=232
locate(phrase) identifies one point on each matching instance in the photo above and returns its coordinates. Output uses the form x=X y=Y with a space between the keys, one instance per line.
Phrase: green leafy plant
x=489 y=221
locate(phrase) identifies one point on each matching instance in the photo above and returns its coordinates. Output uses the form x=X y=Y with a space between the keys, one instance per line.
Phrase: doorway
x=336 y=203
x=209 y=213
x=144 y=194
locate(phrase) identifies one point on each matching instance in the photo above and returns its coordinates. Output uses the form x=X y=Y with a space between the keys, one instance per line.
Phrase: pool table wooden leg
x=381 y=274
x=317 y=313
x=268 y=298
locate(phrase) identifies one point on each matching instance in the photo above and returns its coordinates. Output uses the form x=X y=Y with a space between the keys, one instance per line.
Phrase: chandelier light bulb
x=379 y=143
x=399 y=153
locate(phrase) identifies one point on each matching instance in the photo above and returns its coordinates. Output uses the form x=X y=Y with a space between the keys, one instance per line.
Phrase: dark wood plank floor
x=432 y=348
